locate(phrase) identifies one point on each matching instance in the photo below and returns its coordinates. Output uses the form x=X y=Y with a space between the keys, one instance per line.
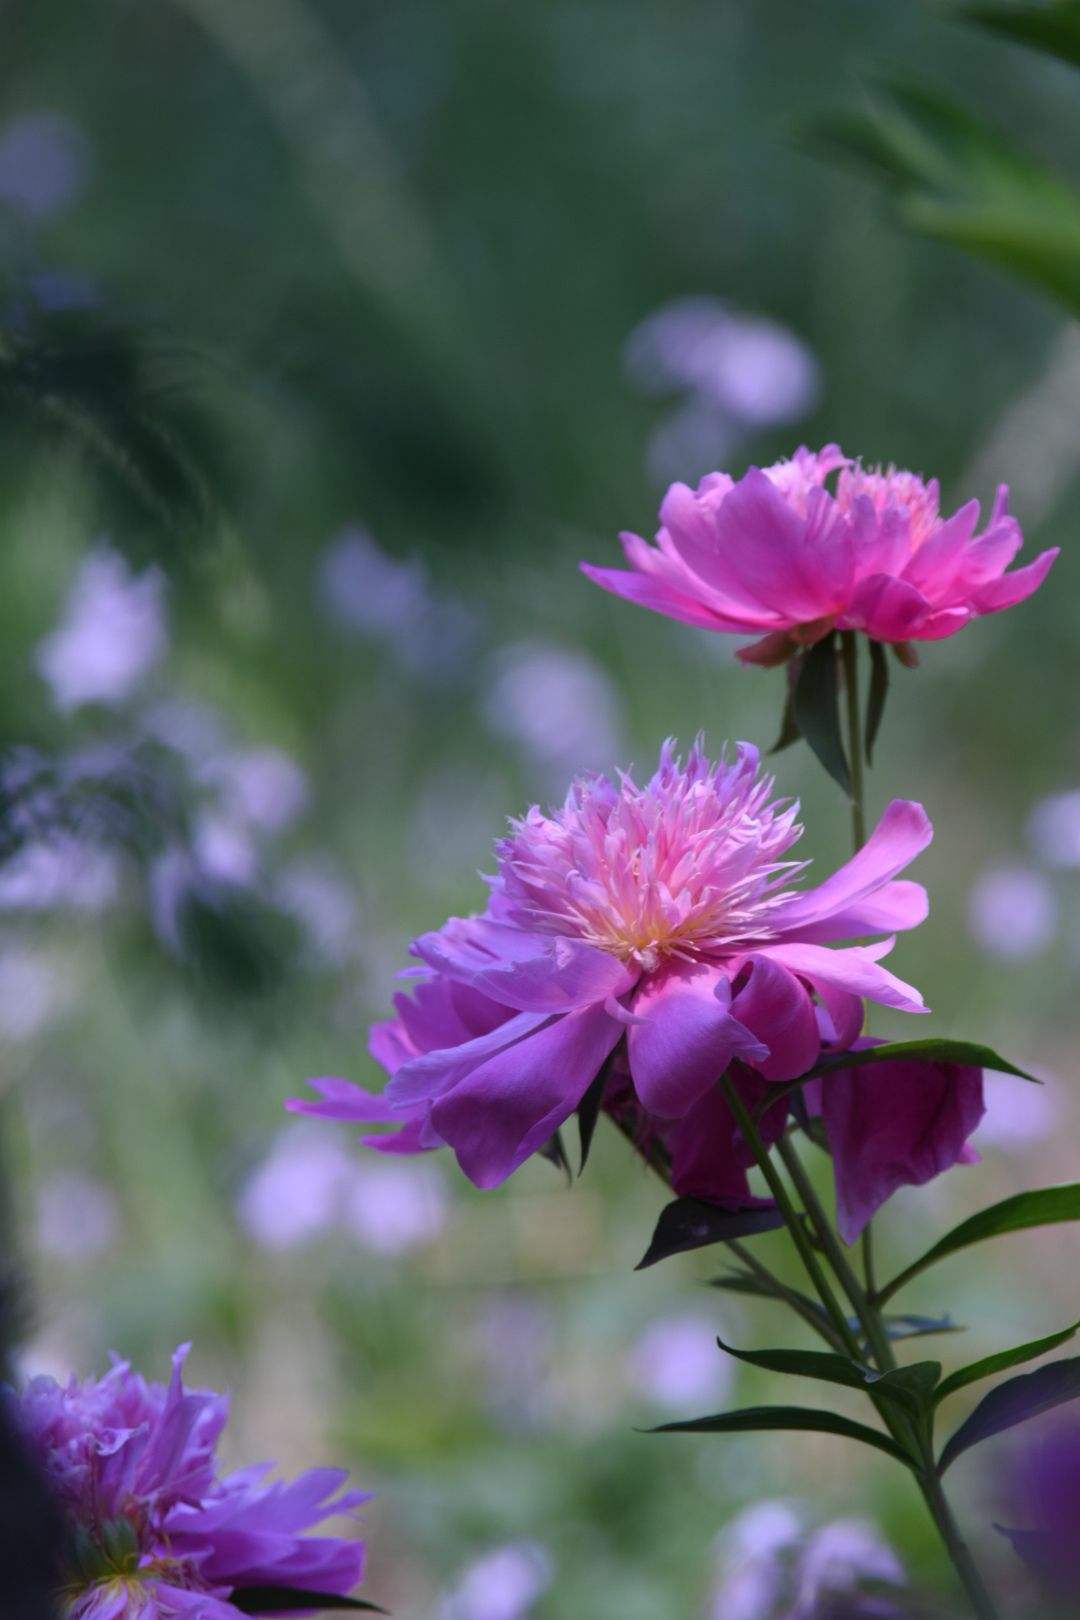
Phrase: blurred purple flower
x=676 y=1362
x=394 y=1206
x=112 y=633
x=60 y=873
x=836 y=1561
x=45 y=163
x=770 y=1569
x=77 y=1217
x=1054 y=829
x=690 y=441
x=1013 y=912
x=224 y=851
x=754 y=1550
x=502 y=1585
x=380 y=596
x=556 y=704
x=155 y=1529
x=295 y=1194
x=754 y=369
x=260 y=786
x=1017 y=1115
x=1042 y=1502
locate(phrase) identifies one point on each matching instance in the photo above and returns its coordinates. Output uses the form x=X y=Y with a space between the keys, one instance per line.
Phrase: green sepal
x=816 y=708
x=875 y=702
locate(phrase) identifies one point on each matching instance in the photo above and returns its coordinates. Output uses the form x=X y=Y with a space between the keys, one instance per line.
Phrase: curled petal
x=686 y=1038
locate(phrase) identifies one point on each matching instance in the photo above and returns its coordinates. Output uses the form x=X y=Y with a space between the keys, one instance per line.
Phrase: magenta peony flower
x=778 y=556
x=154 y=1530
x=662 y=913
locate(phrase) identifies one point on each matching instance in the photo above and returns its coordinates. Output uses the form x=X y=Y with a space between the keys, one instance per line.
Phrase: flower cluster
x=779 y=556
x=153 y=1530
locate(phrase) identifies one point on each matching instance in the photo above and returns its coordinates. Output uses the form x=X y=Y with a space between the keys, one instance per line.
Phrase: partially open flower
x=779 y=556
x=663 y=913
x=153 y=1530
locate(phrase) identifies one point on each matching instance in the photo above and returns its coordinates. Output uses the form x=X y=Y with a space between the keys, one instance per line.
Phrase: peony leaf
x=1015 y=1402
x=909 y=1387
x=1050 y=1206
x=1054 y=28
x=752 y=1419
x=879 y=691
x=816 y=709
x=689 y=1223
x=588 y=1112
x=933 y=1049
x=294 y=1600
x=1002 y=1361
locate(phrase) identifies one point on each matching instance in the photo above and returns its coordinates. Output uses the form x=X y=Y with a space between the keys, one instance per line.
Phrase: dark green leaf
x=819 y=1364
x=554 y=1151
x=934 y=1049
x=789 y=726
x=817 y=709
x=1054 y=28
x=688 y=1223
x=955 y=180
x=291 y=1599
x=1050 y=1206
x=1015 y=1402
x=754 y=1418
x=989 y=1365
x=879 y=691
x=913 y=1385
x=588 y=1112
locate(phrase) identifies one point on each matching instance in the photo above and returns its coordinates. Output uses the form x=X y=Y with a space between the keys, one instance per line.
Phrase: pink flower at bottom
x=779 y=556
x=661 y=915
x=154 y=1530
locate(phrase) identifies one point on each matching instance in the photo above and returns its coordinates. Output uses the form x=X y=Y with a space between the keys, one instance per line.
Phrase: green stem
x=850 y=654
x=967 y=1571
x=792 y=1221
x=869 y=1276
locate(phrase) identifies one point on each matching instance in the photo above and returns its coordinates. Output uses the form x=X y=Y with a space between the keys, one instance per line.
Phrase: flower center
x=687 y=866
x=892 y=489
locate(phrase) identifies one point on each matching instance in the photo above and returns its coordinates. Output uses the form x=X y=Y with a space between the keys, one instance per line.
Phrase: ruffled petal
x=686 y=1038
x=770 y=555
x=530 y=972
x=509 y=1106
x=775 y=1006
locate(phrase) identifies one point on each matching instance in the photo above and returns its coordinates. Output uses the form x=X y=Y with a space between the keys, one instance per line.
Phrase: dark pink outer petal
x=770 y=556
x=903 y=832
x=340 y=1099
x=509 y=1106
x=889 y=609
x=894 y=1125
x=775 y=1006
x=686 y=1036
x=708 y=1157
x=649 y=592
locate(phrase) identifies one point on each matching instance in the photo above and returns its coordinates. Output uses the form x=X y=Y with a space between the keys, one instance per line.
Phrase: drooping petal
x=510 y=1105
x=648 y=592
x=903 y=832
x=854 y=969
x=774 y=1006
x=686 y=1038
x=893 y=1125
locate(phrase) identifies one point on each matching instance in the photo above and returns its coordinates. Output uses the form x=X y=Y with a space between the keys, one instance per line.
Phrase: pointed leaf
x=819 y=1364
x=817 y=709
x=588 y=1112
x=1002 y=1361
x=879 y=691
x=1015 y=1402
x=934 y=1049
x=789 y=726
x=752 y=1419
x=293 y=1599
x=1050 y=1206
x=688 y=1223
x=1054 y=28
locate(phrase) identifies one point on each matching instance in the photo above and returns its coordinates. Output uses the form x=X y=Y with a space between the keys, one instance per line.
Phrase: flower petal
x=775 y=1006
x=903 y=832
x=687 y=1036
x=853 y=969
x=527 y=971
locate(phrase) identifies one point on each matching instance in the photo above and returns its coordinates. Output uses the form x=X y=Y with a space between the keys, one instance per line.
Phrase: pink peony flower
x=778 y=556
x=663 y=914
x=153 y=1530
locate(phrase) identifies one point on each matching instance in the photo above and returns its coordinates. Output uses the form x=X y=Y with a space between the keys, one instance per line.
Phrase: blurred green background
x=380 y=267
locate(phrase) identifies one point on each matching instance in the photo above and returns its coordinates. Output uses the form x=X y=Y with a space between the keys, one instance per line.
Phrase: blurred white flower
x=1054 y=829
x=502 y=1585
x=45 y=162
x=112 y=633
x=312 y=891
x=224 y=851
x=392 y=1206
x=677 y=1362
x=60 y=873
x=556 y=704
x=36 y=987
x=77 y=1217
x=1013 y=912
x=295 y=1194
x=1018 y=1114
